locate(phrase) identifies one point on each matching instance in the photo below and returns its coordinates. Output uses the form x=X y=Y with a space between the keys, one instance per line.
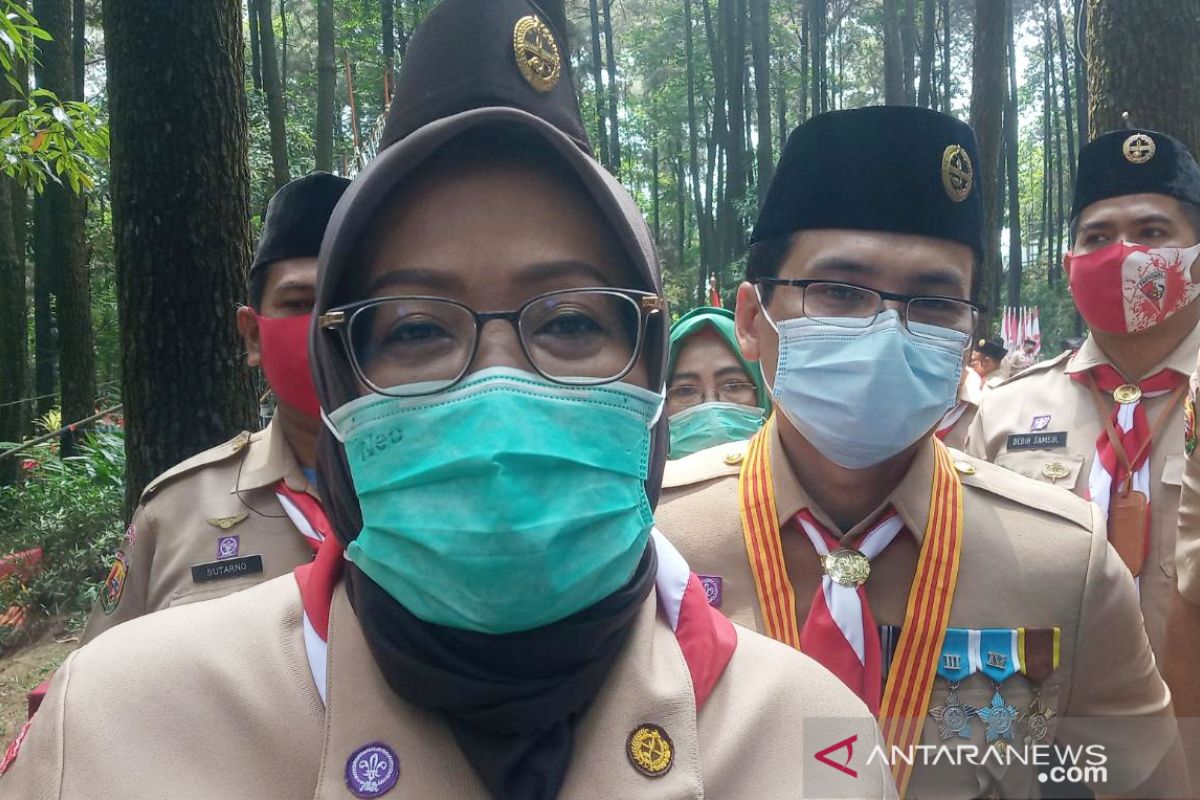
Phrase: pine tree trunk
x=654 y=202
x=805 y=63
x=926 y=95
x=1012 y=167
x=255 y=43
x=988 y=90
x=64 y=240
x=947 y=89
x=760 y=38
x=326 y=84
x=734 y=29
x=1143 y=59
x=181 y=230
x=1068 y=105
x=283 y=49
x=1081 y=79
x=14 y=313
x=908 y=45
x=893 y=55
x=818 y=44
x=78 y=47
x=704 y=225
x=680 y=208
x=387 y=18
x=276 y=112
x=598 y=80
x=610 y=61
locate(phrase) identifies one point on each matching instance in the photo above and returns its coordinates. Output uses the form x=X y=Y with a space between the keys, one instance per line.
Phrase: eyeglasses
x=850 y=306
x=740 y=392
x=415 y=346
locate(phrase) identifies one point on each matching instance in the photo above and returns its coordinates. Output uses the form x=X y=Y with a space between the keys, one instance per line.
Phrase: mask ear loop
x=332 y=428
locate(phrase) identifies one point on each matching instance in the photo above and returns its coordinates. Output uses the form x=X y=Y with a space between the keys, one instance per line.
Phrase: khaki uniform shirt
x=1187 y=548
x=184 y=516
x=218 y=700
x=1047 y=389
x=1032 y=556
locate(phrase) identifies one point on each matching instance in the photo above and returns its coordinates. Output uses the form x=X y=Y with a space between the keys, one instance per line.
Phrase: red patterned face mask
x=285 y=361
x=1126 y=287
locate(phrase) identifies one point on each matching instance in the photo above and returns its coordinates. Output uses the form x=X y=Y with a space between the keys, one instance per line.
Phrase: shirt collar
x=269 y=459
x=910 y=498
x=1182 y=359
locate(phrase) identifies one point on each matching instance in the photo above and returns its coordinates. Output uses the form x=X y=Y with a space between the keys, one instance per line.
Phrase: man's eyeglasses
x=851 y=306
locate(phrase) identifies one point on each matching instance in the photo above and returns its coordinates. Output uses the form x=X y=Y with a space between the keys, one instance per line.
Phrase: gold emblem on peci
x=1139 y=148
x=958 y=174
x=537 y=53
x=650 y=750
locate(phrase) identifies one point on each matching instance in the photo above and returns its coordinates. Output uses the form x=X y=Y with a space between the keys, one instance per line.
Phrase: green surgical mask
x=504 y=504
x=710 y=424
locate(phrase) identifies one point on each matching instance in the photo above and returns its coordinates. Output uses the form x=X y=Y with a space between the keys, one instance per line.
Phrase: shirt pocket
x=1059 y=469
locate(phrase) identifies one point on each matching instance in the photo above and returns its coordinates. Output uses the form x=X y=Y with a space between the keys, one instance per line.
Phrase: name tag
x=1037 y=441
x=230 y=568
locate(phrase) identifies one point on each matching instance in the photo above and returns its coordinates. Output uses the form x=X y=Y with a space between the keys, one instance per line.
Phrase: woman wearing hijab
x=494 y=616
x=714 y=395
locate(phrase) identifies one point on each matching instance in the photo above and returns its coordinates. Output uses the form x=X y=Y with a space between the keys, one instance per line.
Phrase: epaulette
x=212 y=455
x=1034 y=369
x=979 y=474
x=705 y=465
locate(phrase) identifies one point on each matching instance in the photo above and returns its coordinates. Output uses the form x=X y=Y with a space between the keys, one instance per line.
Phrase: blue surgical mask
x=862 y=395
x=504 y=504
x=710 y=424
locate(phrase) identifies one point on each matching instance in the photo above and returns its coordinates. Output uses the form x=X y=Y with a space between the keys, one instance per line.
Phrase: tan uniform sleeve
x=36 y=771
x=1117 y=698
x=1187 y=547
x=133 y=600
x=975 y=444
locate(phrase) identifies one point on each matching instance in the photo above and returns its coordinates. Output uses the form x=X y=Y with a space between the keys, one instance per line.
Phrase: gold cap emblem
x=650 y=750
x=958 y=175
x=1127 y=393
x=1139 y=148
x=847 y=567
x=537 y=53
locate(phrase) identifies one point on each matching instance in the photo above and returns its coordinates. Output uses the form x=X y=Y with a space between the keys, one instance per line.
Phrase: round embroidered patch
x=372 y=770
x=650 y=750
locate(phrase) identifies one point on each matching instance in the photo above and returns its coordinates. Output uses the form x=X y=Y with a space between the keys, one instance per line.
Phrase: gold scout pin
x=537 y=53
x=650 y=750
x=1139 y=148
x=957 y=173
x=1127 y=393
x=964 y=467
x=847 y=567
x=225 y=523
x=734 y=458
x=1055 y=471
x=240 y=442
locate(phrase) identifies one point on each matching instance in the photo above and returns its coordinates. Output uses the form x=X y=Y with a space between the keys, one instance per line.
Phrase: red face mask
x=1126 y=287
x=285 y=361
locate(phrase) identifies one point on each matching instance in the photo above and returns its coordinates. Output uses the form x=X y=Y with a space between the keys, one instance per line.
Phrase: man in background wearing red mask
x=1106 y=420
x=245 y=511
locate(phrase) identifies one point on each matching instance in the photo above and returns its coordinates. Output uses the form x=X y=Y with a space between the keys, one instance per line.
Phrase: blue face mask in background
x=862 y=395
x=710 y=424
x=504 y=504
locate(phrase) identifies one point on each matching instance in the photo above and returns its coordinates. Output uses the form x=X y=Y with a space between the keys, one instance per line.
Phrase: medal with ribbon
x=1038 y=650
x=999 y=659
x=955 y=665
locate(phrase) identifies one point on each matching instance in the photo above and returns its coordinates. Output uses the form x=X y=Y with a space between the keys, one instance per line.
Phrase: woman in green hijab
x=714 y=395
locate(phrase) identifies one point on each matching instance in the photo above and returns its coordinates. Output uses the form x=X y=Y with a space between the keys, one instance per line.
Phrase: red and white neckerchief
x=306 y=514
x=840 y=631
x=951 y=419
x=1131 y=421
x=706 y=638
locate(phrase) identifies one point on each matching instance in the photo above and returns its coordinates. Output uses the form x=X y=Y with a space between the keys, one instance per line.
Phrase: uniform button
x=734 y=458
x=964 y=467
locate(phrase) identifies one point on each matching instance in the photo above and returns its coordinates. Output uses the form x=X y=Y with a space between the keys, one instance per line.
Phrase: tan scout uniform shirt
x=1032 y=556
x=1047 y=389
x=225 y=705
x=185 y=512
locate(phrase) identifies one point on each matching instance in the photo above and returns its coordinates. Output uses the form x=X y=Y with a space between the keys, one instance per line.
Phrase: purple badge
x=1040 y=423
x=712 y=588
x=228 y=547
x=372 y=770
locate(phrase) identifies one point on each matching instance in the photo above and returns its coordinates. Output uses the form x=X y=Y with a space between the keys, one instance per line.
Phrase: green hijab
x=721 y=321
